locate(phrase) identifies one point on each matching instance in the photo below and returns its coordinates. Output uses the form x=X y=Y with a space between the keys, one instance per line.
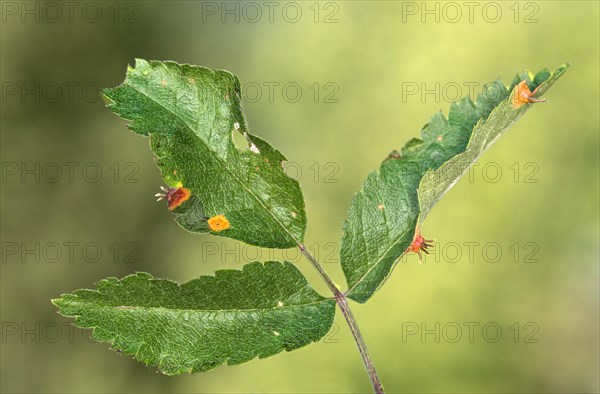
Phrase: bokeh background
x=511 y=290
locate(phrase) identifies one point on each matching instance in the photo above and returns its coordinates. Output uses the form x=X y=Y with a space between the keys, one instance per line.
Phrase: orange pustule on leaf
x=218 y=223
x=175 y=196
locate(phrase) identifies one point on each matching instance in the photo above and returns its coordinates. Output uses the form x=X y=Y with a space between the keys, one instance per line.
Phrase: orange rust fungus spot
x=439 y=137
x=380 y=207
x=420 y=244
x=218 y=223
x=177 y=196
x=523 y=95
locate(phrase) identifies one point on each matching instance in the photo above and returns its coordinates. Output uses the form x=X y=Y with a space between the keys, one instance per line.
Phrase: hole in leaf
x=239 y=140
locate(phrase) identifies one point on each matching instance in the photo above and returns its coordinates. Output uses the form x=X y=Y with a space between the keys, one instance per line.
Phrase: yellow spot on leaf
x=380 y=207
x=218 y=223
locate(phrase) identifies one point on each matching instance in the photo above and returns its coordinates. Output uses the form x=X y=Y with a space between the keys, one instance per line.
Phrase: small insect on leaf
x=523 y=95
x=218 y=223
x=175 y=196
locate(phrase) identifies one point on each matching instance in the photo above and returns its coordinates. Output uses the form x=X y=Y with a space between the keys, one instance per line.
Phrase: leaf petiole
x=342 y=302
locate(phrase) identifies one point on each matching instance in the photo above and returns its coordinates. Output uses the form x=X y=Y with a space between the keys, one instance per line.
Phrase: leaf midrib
x=486 y=146
x=394 y=243
x=129 y=307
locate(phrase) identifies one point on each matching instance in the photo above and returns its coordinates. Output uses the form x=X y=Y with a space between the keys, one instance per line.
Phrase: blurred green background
x=517 y=253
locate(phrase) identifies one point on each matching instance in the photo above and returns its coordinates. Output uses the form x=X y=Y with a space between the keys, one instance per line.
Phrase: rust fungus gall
x=175 y=196
x=420 y=244
x=523 y=95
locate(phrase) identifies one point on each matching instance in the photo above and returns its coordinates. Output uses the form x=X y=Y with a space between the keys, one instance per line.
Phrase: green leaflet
x=231 y=317
x=395 y=200
x=190 y=114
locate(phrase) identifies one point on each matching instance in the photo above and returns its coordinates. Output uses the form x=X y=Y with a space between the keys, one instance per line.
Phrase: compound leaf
x=385 y=215
x=190 y=114
x=231 y=317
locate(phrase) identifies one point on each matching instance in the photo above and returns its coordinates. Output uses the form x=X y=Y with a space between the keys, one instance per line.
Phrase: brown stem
x=342 y=302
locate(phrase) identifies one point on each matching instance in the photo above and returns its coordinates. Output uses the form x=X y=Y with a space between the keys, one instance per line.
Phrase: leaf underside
x=190 y=114
x=230 y=318
x=394 y=200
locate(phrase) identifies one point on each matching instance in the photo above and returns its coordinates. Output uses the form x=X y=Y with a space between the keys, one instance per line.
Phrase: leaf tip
x=106 y=97
x=57 y=302
x=138 y=63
